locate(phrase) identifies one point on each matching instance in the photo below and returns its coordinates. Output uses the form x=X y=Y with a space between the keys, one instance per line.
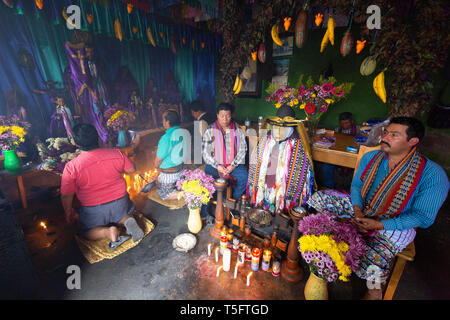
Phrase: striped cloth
x=209 y=152
x=421 y=209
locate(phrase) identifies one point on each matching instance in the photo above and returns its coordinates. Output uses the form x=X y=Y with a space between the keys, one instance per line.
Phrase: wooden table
x=337 y=154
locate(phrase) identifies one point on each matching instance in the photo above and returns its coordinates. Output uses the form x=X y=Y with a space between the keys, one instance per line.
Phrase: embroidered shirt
x=208 y=147
x=425 y=202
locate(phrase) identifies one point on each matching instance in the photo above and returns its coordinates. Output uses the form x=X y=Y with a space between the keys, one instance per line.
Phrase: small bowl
x=184 y=242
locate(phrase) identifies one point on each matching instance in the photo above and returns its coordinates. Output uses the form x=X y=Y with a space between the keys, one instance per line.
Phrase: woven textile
x=95 y=251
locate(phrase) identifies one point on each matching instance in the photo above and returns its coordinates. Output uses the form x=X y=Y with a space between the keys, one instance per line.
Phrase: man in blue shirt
x=170 y=155
x=394 y=191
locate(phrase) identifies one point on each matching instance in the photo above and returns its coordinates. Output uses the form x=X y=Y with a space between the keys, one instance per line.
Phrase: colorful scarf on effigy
x=294 y=175
x=395 y=190
x=220 y=152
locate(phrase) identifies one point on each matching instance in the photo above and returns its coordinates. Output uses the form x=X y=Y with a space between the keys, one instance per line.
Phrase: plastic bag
x=376 y=133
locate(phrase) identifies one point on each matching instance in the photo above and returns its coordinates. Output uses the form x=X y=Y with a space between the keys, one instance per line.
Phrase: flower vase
x=12 y=162
x=194 y=221
x=313 y=123
x=122 y=139
x=316 y=288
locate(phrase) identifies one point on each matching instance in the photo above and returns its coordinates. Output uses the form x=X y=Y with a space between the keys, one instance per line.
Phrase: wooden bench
x=407 y=254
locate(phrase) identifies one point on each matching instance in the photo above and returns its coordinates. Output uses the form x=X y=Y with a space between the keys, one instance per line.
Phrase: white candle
x=218 y=271
x=236 y=270
x=248 y=278
x=226 y=259
x=217 y=254
x=209 y=249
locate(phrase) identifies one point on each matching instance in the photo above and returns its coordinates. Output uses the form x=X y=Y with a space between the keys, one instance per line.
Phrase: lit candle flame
x=248 y=278
x=43 y=225
x=209 y=249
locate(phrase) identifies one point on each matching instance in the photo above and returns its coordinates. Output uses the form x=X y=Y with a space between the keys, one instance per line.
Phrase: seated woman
x=281 y=172
x=170 y=156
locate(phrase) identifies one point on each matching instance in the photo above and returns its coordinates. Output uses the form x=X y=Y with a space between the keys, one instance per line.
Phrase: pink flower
x=338 y=92
x=324 y=108
x=310 y=108
x=327 y=87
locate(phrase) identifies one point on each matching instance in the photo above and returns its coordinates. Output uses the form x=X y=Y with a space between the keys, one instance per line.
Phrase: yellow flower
x=296 y=101
x=278 y=105
x=313 y=95
x=302 y=106
x=329 y=101
x=291 y=103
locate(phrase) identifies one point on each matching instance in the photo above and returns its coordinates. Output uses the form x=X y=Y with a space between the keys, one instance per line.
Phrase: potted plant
x=331 y=248
x=12 y=134
x=196 y=190
x=119 y=121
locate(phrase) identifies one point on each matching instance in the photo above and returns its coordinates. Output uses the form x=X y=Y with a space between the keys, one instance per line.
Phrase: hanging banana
x=239 y=86
x=118 y=30
x=378 y=86
x=325 y=40
x=236 y=83
x=275 y=36
x=330 y=27
x=150 y=37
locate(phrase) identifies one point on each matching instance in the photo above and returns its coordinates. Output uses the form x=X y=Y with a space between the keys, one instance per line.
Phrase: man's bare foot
x=373 y=294
x=113 y=233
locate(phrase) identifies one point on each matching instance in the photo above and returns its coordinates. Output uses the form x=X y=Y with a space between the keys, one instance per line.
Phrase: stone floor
x=154 y=270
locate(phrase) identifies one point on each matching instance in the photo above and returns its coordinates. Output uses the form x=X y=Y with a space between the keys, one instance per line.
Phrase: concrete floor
x=154 y=270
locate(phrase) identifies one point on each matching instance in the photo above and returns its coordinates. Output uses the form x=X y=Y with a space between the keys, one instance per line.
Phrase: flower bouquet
x=118 y=119
x=196 y=188
x=12 y=132
x=331 y=248
x=56 y=154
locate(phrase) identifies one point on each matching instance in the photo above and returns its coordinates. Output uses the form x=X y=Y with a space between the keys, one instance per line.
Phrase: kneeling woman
x=170 y=155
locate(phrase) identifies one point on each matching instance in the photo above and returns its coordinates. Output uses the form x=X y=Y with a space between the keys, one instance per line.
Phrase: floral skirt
x=381 y=248
x=167 y=183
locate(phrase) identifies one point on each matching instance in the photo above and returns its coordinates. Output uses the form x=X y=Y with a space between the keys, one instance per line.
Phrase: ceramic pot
x=194 y=221
x=316 y=288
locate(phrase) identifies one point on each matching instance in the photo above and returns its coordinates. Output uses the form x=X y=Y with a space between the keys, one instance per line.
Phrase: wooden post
x=290 y=270
x=220 y=185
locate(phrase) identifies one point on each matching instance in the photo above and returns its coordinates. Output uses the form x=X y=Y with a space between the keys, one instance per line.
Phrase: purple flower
x=327 y=87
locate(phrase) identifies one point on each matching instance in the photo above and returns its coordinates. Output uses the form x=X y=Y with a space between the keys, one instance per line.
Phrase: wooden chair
x=407 y=254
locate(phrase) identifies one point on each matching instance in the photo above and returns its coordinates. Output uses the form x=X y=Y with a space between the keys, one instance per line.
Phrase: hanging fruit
x=262 y=53
x=237 y=85
x=246 y=74
x=254 y=54
x=135 y=30
x=150 y=37
x=275 y=36
x=360 y=45
x=300 y=29
x=378 y=86
x=287 y=23
x=118 y=29
x=318 y=20
x=203 y=45
x=40 y=4
x=346 y=43
x=183 y=40
x=161 y=34
x=368 y=66
x=89 y=18
x=329 y=34
x=129 y=8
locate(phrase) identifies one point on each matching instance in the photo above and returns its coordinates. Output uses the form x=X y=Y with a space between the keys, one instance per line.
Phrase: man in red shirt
x=96 y=178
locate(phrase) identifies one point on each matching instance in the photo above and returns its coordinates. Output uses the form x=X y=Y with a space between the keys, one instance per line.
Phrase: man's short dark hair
x=173 y=117
x=196 y=106
x=85 y=136
x=225 y=106
x=345 y=116
x=415 y=127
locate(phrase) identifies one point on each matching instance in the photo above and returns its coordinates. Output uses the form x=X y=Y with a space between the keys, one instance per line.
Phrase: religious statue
x=135 y=104
x=86 y=86
x=62 y=117
x=281 y=172
x=152 y=99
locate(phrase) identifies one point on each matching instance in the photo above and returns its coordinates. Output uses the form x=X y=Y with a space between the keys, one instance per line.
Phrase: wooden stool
x=407 y=254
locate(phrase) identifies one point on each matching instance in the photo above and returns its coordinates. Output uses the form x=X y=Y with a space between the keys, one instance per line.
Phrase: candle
x=248 y=278
x=236 y=269
x=276 y=268
x=218 y=271
x=266 y=260
x=217 y=254
x=230 y=238
x=241 y=253
x=209 y=249
x=226 y=259
x=255 y=259
x=223 y=243
x=43 y=226
x=235 y=244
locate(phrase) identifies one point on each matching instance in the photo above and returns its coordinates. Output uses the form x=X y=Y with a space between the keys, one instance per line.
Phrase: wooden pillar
x=215 y=231
x=290 y=270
